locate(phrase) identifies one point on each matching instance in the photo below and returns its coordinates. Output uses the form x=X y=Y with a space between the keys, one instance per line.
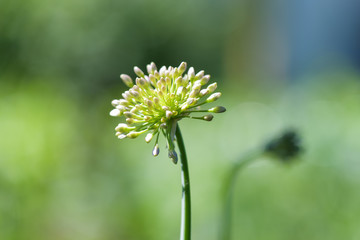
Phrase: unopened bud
x=133 y=134
x=121 y=136
x=115 y=112
x=212 y=87
x=218 y=109
x=156 y=150
x=203 y=92
x=168 y=114
x=140 y=82
x=127 y=80
x=151 y=67
x=208 y=117
x=194 y=93
x=191 y=73
x=123 y=128
x=200 y=74
x=182 y=67
x=162 y=71
x=204 y=80
x=139 y=72
x=213 y=97
x=148 y=137
x=115 y=102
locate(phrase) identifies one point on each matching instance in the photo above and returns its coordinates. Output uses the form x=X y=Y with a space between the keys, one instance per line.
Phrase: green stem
x=225 y=231
x=185 y=230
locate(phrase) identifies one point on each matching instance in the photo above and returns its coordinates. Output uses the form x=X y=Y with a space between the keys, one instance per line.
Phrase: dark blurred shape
x=285 y=147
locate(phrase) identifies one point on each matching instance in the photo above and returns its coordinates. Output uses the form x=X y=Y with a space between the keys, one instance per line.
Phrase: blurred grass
x=64 y=175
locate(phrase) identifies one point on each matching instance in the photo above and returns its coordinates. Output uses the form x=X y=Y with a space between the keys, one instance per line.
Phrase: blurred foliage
x=65 y=176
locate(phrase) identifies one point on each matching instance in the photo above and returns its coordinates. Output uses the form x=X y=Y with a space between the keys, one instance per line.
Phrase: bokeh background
x=279 y=64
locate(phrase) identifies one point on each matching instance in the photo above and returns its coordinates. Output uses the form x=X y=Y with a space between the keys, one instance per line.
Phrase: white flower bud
x=194 y=93
x=133 y=134
x=191 y=73
x=200 y=74
x=123 y=128
x=122 y=136
x=168 y=114
x=139 y=72
x=212 y=87
x=115 y=112
x=162 y=71
x=180 y=90
x=115 y=102
x=127 y=80
x=151 y=67
x=205 y=80
x=203 y=92
x=213 y=97
x=148 y=137
x=182 y=67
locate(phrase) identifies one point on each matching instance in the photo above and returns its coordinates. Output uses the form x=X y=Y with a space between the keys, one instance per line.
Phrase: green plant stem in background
x=225 y=231
x=185 y=230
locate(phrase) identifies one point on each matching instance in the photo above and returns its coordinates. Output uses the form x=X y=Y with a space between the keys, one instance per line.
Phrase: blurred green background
x=279 y=64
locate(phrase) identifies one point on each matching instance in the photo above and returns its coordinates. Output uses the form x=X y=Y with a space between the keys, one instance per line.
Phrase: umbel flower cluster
x=155 y=102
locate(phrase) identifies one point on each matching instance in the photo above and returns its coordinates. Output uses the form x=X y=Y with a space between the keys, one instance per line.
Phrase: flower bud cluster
x=155 y=102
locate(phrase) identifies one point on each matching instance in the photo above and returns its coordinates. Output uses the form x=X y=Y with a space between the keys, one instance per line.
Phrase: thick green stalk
x=185 y=229
x=226 y=223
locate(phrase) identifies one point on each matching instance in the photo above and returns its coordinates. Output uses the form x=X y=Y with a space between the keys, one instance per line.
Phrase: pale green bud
x=129 y=120
x=182 y=67
x=127 y=80
x=194 y=93
x=123 y=102
x=203 y=92
x=156 y=100
x=213 y=97
x=121 y=108
x=218 y=109
x=151 y=67
x=134 y=93
x=141 y=82
x=212 y=87
x=168 y=81
x=205 y=80
x=150 y=104
x=123 y=128
x=200 y=74
x=139 y=72
x=152 y=79
x=133 y=134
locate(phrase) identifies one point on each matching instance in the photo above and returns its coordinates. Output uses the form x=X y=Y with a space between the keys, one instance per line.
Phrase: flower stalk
x=185 y=228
